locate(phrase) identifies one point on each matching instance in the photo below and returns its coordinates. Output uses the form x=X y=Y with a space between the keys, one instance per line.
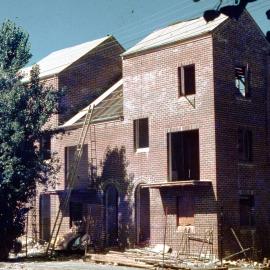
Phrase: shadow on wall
x=114 y=174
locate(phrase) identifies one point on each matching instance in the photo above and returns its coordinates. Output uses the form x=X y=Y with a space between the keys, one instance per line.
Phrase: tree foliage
x=24 y=109
x=232 y=11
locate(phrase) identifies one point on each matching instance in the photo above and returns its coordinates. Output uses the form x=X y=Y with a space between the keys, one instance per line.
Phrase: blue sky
x=56 y=24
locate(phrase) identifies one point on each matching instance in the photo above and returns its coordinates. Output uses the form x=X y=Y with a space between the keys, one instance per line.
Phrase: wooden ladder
x=34 y=219
x=93 y=154
x=71 y=181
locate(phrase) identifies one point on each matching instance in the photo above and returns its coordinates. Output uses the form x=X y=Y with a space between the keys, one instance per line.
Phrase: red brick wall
x=238 y=43
x=96 y=71
x=151 y=90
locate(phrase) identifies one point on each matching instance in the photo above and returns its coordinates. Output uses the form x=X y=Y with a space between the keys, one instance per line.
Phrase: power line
x=112 y=44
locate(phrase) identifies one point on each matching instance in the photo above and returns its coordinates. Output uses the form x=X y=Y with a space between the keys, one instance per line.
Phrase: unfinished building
x=180 y=141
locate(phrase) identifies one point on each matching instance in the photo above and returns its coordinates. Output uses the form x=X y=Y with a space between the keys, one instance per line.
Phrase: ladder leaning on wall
x=71 y=180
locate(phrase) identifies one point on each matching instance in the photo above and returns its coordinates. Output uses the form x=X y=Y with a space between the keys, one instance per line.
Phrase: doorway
x=142 y=214
x=45 y=217
x=111 y=215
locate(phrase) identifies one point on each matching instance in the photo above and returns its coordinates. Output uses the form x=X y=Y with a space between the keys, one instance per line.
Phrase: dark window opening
x=183 y=154
x=241 y=80
x=141 y=133
x=75 y=212
x=186 y=76
x=83 y=167
x=185 y=210
x=245 y=149
x=45 y=147
x=246 y=208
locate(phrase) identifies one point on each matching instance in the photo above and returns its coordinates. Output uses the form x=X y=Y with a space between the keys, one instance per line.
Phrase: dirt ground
x=69 y=265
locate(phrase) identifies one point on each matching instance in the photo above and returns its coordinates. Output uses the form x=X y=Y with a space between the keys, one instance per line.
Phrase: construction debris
x=148 y=258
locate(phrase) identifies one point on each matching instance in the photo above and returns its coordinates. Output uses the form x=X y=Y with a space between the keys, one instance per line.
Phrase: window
x=245 y=145
x=141 y=133
x=246 y=208
x=241 y=80
x=186 y=76
x=183 y=155
x=75 y=212
x=82 y=177
x=185 y=210
x=45 y=147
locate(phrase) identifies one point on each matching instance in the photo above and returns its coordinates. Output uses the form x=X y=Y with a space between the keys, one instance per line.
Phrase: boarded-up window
x=185 y=210
x=141 y=133
x=245 y=148
x=246 y=208
x=186 y=77
x=242 y=80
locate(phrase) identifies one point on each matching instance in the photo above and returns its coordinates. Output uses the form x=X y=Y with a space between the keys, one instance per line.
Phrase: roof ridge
x=57 y=61
x=78 y=45
x=176 y=32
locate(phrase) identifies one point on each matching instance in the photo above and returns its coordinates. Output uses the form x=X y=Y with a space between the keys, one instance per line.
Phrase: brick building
x=181 y=139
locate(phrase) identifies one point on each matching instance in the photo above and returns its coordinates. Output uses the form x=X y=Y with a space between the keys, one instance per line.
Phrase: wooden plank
x=110 y=259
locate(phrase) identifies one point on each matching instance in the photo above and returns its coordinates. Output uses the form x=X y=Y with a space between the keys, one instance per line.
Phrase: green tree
x=24 y=109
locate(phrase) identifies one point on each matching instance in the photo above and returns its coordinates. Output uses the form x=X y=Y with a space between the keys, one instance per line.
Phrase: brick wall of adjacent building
x=241 y=43
x=94 y=72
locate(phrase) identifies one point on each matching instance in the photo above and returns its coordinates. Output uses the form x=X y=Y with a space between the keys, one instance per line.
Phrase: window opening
x=245 y=149
x=75 y=212
x=45 y=147
x=141 y=133
x=186 y=75
x=247 y=209
x=241 y=80
x=183 y=155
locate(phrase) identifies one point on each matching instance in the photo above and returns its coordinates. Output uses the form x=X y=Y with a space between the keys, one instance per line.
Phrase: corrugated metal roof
x=176 y=32
x=57 y=61
x=108 y=106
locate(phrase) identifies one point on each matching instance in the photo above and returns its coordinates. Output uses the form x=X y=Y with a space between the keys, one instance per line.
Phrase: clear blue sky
x=56 y=24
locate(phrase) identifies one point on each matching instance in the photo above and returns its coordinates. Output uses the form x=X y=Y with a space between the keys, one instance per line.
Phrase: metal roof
x=108 y=106
x=177 y=32
x=57 y=61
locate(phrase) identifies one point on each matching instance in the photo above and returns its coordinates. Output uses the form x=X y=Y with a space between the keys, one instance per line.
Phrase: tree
x=24 y=109
x=232 y=11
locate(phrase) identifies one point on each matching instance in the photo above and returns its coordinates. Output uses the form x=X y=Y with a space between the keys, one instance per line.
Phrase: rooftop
x=176 y=32
x=59 y=60
x=107 y=107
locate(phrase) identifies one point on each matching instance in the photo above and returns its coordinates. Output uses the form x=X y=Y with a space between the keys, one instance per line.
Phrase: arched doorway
x=111 y=215
x=142 y=202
